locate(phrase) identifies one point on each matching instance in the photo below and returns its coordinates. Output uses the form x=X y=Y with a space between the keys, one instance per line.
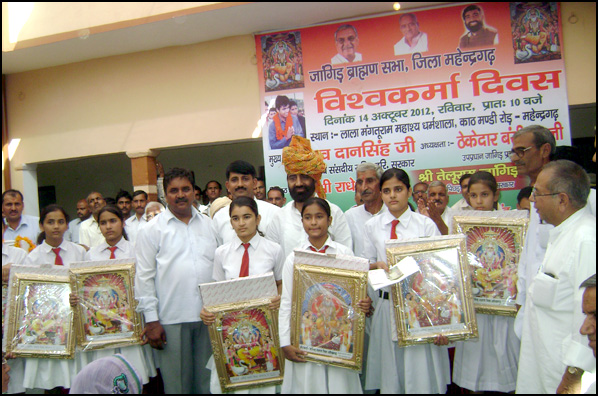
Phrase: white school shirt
x=264 y=256
x=286 y=228
x=356 y=217
x=224 y=230
x=90 y=234
x=132 y=226
x=28 y=227
x=12 y=255
x=173 y=258
x=69 y=252
x=124 y=249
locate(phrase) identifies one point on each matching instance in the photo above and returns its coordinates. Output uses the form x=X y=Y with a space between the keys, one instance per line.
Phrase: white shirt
x=421 y=45
x=264 y=256
x=124 y=249
x=12 y=255
x=356 y=217
x=461 y=205
x=72 y=234
x=28 y=227
x=551 y=341
x=173 y=259
x=286 y=228
x=69 y=253
x=224 y=230
x=338 y=58
x=90 y=234
x=132 y=226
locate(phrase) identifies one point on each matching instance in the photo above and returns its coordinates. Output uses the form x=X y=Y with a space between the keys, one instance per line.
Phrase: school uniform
x=413 y=369
x=311 y=377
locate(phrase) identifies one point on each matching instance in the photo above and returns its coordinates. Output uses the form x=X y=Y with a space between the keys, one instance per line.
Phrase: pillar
x=143 y=170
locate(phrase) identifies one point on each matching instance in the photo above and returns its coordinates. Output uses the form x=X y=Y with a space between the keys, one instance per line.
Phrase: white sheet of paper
x=378 y=278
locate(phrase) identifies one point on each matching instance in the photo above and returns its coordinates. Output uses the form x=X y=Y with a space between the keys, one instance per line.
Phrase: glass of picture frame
x=494 y=243
x=436 y=300
x=105 y=316
x=40 y=318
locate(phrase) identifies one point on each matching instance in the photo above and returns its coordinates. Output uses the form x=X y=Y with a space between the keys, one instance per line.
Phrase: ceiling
x=194 y=28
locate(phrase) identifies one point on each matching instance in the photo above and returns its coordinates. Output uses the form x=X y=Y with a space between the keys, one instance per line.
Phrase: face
x=111 y=227
x=244 y=222
x=420 y=191
x=524 y=204
x=124 y=204
x=276 y=198
x=260 y=190
x=395 y=195
x=464 y=187
x=152 y=212
x=83 y=211
x=529 y=161
x=438 y=196
x=473 y=20
x=54 y=226
x=409 y=27
x=481 y=197
x=301 y=187
x=546 y=205
x=179 y=196
x=588 y=327
x=283 y=111
x=213 y=191
x=197 y=195
x=95 y=202
x=368 y=185
x=12 y=207
x=294 y=110
x=315 y=221
x=241 y=185
x=271 y=114
x=347 y=43
x=139 y=203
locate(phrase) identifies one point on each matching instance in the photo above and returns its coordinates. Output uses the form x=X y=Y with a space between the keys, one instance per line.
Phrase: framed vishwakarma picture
x=494 y=243
x=40 y=319
x=244 y=336
x=325 y=319
x=105 y=316
x=435 y=300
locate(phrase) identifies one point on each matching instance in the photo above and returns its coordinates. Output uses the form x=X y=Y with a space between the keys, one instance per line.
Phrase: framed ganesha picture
x=494 y=243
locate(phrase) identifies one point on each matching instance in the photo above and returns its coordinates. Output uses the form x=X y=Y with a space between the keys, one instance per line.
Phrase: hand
x=155 y=334
x=275 y=303
x=159 y=169
x=570 y=384
x=441 y=340
x=379 y=265
x=294 y=354
x=5 y=273
x=207 y=317
x=365 y=305
x=430 y=210
x=290 y=132
x=144 y=339
x=74 y=300
x=422 y=207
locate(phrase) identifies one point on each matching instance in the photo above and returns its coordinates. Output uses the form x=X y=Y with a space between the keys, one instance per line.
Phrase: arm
x=284 y=315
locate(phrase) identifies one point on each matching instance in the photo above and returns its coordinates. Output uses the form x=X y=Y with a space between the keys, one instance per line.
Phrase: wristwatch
x=575 y=371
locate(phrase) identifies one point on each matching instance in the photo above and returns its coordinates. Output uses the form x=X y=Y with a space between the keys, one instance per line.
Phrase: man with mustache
x=90 y=234
x=241 y=180
x=304 y=169
x=175 y=253
x=346 y=41
x=18 y=224
x=435 y=206
x=83 y=213
x=478 y=34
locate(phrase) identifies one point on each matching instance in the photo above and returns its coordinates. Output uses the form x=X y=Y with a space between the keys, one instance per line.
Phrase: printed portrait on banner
x=535 y=32
x=282 y=59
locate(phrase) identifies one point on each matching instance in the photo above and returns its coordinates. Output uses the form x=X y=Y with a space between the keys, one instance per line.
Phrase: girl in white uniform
x=301 y=376
x=52 y=373
x=117 y=246
x=262 y=256
x=413 y=369
x=490 y=362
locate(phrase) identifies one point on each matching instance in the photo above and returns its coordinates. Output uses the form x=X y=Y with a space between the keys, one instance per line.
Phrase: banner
x=437 y=93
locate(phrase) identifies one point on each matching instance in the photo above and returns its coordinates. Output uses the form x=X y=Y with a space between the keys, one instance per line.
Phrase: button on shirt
x=224 y=230
x=28 y=227
x=69 y=253
x=124 y=249
x=173 y=258
x=90 y=234
x=132 y=226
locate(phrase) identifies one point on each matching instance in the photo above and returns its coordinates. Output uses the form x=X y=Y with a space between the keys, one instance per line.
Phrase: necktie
x=245 y=262
x=393 y=229
x=323 y=250
x=112 y=249
x=58 y=260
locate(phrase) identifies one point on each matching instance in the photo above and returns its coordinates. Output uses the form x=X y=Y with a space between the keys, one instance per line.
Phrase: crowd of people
x=550 y=346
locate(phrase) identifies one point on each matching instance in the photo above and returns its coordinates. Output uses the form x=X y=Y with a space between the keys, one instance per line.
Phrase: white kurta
x=224 y=230
x=551 y=341
x=90 y=234
x=356 y=217
x=310 y=378
x=414 y=369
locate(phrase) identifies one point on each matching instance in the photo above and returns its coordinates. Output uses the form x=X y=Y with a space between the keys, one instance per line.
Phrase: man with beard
x=346 y=41
x=240 y=182
x=435 y=206
x=478 y=34
x=83 y=213
x=89 y=232
x=304 y=169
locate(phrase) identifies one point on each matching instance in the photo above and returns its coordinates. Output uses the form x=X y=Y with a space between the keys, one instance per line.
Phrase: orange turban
x=299 y=159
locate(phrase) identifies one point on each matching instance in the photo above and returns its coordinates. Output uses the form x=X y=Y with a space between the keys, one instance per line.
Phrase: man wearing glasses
x=532 y=148
x=346 y=41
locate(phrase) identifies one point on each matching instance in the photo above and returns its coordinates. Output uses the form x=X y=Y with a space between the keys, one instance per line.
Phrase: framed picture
x=494 y=242
x=105 y=316
x=244 y=336
x=436 y=300
x=40 y=319
x=325 y=319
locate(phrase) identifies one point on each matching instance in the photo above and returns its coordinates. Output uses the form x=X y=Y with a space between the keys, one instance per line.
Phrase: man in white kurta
x=553 y=353
x=90 y=234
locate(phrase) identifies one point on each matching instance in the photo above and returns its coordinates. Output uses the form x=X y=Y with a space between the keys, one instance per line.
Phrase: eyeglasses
x=519 y=151
x=535 y=194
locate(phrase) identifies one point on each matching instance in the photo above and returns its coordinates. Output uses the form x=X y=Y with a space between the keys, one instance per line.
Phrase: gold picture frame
x=105 y=316
x=325 y=319
x=494 y=244
x=436 y=300
x=40 y=318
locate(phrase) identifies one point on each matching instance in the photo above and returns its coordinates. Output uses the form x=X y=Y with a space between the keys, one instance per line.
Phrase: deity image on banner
x=282 y=59
x=535 y=32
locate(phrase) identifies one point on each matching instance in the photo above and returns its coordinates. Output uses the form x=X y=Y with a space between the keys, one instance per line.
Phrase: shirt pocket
x=544 y=290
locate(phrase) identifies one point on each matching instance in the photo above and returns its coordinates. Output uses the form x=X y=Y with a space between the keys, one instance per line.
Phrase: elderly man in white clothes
x=240 y=181
x=175 y=253
x=304 y=169
x=553 y=354
x=90 y=234
x=436 y=207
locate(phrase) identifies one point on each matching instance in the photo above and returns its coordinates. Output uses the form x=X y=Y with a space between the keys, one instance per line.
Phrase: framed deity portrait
x=244 y=336
x=325 y=319
x=435 y=300
x=40 y=319
x=105 y=316
x=494 y=243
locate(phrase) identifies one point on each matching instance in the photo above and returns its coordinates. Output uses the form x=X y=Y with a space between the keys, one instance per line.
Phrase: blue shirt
x=278 y=144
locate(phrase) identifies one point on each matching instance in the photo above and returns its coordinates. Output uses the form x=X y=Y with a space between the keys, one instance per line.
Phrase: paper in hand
x=378 y=278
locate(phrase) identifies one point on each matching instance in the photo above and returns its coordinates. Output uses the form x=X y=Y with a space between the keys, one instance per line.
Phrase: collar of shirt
x=403 y=220
x=47 y=248
x=569 y=222
x=26 y=221
x=169 y=216
x=119 y=245
x=306 y=245
x=254 y=242
x=415 y=40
